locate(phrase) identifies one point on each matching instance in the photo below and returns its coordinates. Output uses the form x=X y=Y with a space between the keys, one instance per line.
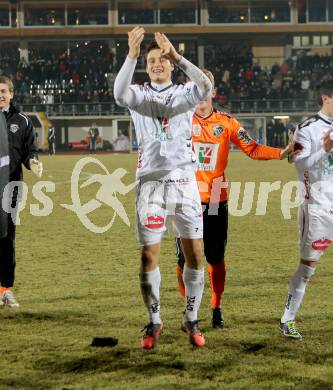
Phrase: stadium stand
x=50 y=77
x=257 y=69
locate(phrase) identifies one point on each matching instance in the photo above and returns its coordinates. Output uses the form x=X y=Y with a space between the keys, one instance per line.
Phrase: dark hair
x=325 y=87
x=153 y=45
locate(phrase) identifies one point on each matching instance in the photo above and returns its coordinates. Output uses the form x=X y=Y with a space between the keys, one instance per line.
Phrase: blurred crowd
x=277 y=132
x=238 y=77
x=86 y=74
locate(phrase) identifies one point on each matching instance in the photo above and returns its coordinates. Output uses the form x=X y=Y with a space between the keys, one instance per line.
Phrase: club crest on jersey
x=218 y=130
x=244 y=136
x=188 y=92
x=196 y=130
x=168 y=99
x=13 y=128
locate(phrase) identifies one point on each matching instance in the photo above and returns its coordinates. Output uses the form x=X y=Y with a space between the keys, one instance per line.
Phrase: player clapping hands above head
x=162 y=115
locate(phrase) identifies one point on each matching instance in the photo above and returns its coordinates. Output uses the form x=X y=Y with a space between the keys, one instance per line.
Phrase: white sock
x=150 y=290
x=296 y=291
x=194 y=286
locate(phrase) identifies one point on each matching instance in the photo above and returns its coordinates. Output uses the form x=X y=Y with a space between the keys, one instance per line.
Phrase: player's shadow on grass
x=136 y=361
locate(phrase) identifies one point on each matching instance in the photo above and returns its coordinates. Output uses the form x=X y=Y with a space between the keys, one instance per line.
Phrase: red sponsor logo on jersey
x=154 y=222
x=164 y=122
x=321 y=245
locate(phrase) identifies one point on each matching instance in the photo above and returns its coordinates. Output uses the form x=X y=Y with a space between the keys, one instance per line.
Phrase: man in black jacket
x=22 y=150
x=4 y=174
x=51 y=140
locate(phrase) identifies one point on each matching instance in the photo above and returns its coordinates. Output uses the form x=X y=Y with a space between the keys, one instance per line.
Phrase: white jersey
x=314 y=166
x=162 y=118
x=163 y=125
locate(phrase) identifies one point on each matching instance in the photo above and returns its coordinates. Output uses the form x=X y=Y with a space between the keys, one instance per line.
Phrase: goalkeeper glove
x=36 y=167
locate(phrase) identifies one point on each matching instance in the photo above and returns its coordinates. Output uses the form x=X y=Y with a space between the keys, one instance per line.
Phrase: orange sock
x=179 y=272
x=217 y=275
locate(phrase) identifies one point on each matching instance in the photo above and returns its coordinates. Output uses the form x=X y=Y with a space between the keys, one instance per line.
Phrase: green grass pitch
x=74 y=285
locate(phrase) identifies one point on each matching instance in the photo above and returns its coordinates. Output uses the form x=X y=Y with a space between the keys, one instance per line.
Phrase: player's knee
x=309 y=263
x=303 y=272
x=192 y=253
x=149 y=257
x=194 y=259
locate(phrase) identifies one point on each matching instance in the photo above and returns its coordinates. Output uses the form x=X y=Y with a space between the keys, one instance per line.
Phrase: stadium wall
x=73 y=131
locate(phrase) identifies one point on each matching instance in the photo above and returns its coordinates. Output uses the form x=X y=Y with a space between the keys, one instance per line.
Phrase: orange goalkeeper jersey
x=211 y=141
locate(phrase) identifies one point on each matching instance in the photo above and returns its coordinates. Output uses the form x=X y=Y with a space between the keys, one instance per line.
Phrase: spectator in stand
x=284 y=68
x=270 y=133
x=278 y=133
x=249 y=74
x=225 y=76
x=93 y=133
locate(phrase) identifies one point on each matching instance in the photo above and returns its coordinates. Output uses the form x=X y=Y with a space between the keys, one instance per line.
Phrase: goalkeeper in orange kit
x=212 y=132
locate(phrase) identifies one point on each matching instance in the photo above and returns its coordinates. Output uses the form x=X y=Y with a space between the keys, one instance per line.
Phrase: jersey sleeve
x=125 y=94
x=242 y=139
x=29 y=147
x=200 y=86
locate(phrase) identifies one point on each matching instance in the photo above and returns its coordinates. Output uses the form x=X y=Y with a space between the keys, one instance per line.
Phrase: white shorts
x=174 y=196
x=315 y=230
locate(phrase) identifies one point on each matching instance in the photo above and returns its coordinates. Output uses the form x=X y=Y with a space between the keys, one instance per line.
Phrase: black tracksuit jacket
x=21 y=146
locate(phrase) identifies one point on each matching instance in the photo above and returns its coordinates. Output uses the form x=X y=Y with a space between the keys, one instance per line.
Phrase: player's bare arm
x=328 y=141
x=168 y=50
x=135 y=38
x=287 y=151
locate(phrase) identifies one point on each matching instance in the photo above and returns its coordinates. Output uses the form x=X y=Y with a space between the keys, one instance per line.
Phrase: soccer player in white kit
x=313 y=156
x=162 y=116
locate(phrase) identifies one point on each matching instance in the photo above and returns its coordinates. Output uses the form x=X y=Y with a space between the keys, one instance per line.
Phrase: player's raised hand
x=135 y=37
x=167 y=48
x=328 y=141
